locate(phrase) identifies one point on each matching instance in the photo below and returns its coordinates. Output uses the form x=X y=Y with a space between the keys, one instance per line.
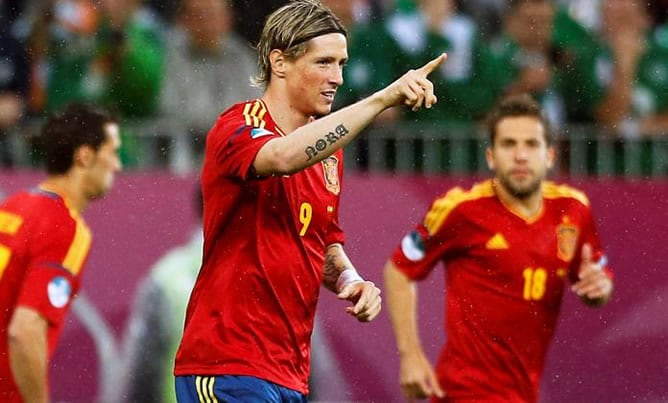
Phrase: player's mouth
x=520 y=173
x=328 y=95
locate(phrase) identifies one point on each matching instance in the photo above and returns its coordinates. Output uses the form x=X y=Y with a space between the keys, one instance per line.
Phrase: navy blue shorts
x=231 y=389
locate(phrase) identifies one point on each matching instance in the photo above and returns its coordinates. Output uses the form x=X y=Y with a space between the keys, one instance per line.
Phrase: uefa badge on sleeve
x=412 y=246
x=59 y=291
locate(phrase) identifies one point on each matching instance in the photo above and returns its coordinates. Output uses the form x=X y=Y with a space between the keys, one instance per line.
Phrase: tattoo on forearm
x=331 y=272
x=330 y=138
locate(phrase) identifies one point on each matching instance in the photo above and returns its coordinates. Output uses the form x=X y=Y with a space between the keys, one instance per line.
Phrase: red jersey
x=44 y=245
x=505 y=277
x=252 y=308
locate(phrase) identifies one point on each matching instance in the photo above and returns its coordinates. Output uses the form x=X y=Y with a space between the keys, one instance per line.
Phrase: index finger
x=431 y=66
x=586 y=253
x=367 y=299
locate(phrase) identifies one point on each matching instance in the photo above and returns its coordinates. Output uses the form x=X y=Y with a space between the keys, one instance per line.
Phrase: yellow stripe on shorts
x=204 y=387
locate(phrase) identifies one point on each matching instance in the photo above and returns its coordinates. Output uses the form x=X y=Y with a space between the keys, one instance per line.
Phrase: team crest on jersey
x=567 y=238
x=330 y=167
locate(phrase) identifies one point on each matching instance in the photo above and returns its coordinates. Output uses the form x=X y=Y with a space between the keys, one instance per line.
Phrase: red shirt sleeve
x=49 y=291
x=60 y=247
x=237 y=137
x=419 y=251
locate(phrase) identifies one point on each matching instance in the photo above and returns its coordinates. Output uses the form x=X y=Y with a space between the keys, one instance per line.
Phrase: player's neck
x=282 y=111
x=67 y=188
x=527 y=207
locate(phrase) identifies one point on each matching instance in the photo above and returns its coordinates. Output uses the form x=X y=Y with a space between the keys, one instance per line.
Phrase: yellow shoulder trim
x=10 y=223
x=442 y=206
x=553 y=191
x=254 y=114
x=76 y=255
x=5 y=255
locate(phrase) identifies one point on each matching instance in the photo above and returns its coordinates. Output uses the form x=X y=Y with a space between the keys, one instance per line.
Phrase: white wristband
x=348 y=276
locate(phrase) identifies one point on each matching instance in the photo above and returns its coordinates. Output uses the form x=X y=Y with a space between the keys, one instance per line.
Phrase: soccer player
x=271 y=182
x=44 y=244
x=509 y=245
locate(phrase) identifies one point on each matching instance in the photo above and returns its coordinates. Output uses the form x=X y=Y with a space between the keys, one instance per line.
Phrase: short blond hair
x=289 y=28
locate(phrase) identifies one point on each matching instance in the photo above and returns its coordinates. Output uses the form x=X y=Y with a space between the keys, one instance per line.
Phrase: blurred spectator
x=539 y=52
x=131 y=46
x=109 y=52
x=630 y=68
x=589 y=12
x=14 y=76
x=166 y=9
x=486 y=13
x=208 y=69
x=585 y=12
x=525 y=47
x=364 y=68
x=412 y=34
x=464 y=82
x=156 y=321
x=355 y=12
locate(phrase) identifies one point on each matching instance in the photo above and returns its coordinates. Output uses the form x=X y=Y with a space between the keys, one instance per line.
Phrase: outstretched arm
x=319 y=139
x=341 y=277
x=416 y=375
x=28 y=352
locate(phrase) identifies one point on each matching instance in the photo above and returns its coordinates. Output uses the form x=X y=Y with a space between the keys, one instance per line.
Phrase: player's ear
x=277 y=61
x=84 y=156
x=551 y=157
x=489 y=156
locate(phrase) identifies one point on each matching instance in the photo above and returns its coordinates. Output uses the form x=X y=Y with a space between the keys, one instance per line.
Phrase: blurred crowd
x=179 y=63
